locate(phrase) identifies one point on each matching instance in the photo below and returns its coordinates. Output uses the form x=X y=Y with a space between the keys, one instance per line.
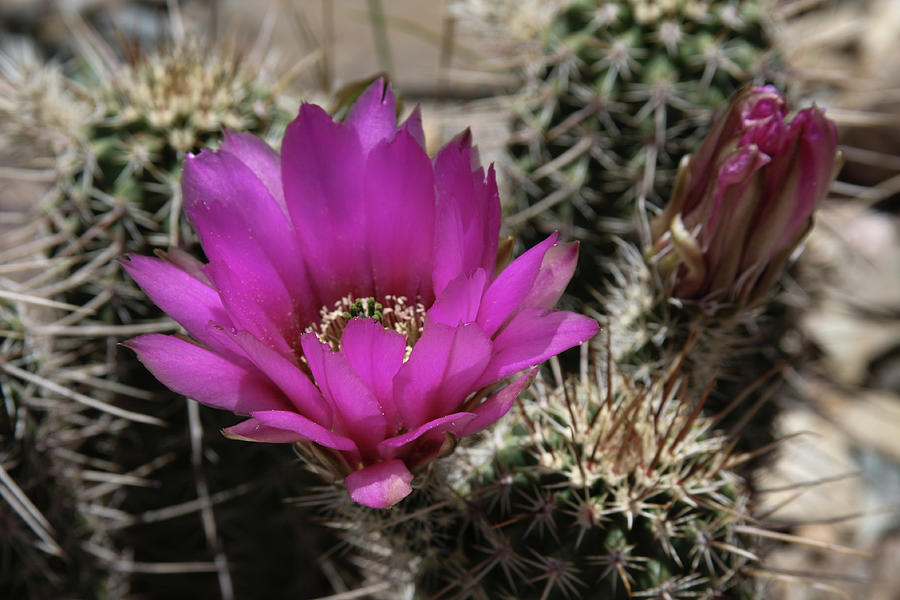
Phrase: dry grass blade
x=186 y=508
x=206 y=511
x=80 y=398
x=806 y=581
x=39 y=301
x=108 y=487
x=794 y=539
x=120 y=331
x=362 y=592
x=155 y=568
x=28 y=512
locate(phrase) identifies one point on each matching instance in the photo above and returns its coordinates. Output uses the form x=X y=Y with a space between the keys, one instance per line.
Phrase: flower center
x=395 y=313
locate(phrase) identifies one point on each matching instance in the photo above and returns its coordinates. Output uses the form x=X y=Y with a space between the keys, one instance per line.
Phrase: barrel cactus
x=623 y=91
x=599 y=486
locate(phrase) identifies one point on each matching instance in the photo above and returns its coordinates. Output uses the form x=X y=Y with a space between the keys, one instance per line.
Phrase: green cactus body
x=737 y=350
x=156 y=109
x=624 y=90
x=589 y=491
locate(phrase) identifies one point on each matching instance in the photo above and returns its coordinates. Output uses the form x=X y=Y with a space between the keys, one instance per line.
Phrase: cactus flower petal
x=289 y=420
x=389 y=237
x=461 y=299
x=373 y=115
x=532 y=336
x=186 y=299
x=428 y=438
x=556 y=270
x=444 y=363
x=351 y=299
x=497 y=405
x=381 y=485
x=323 y=159
x=212 y=379
x=512 y=287
x=467 y=223
x=259 y=158
x=251 y=430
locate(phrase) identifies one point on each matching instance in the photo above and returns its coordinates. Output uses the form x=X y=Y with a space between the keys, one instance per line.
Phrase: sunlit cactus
x=623 y=91
x=600 y=486
x=158 y=105
x=618 y=473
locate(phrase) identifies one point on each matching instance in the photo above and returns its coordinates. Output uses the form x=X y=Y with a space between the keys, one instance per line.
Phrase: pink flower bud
x=744 y=200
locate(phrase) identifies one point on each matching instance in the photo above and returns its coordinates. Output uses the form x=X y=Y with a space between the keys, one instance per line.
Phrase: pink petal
x=323 y=169
x=359 y=410
x=381 y=485
x=181 y=296
x=259 y=158
x=489 y=200
x=251 y=309
x=205 y=376
x=468 y=215
x=252 y=430
x=241 y=226
x=733 y=179
x=374 y=115
x=400 y=207
x=375 y=354
x=489 y=411
x=393 y=447
x=532 y=336
x=512 y=286
x=816 y=164
x=556 y=271
x=413 y=126
x=460 y=300
x=441 y=372
x=185 y=261
x=290 y=421
x=301 y=392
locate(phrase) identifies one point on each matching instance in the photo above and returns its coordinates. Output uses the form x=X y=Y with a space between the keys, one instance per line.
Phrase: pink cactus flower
x=745 y=199
x=352 y=302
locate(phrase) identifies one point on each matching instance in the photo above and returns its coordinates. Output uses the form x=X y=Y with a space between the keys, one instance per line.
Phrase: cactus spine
x=600 y=486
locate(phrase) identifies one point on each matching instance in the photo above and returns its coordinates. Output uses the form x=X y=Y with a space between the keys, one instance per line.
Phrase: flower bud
x=744 y=200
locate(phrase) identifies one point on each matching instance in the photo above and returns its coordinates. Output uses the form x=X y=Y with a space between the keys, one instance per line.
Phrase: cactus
x=85 y=463
x=600 y=487
x=624 y=90
x=156 y=107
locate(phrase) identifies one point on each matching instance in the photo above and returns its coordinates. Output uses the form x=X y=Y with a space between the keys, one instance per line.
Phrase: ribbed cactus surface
x=624 y=90
x=599 y=487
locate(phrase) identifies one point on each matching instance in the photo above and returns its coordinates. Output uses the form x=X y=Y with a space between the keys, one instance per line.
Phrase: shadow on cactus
x=109 y=141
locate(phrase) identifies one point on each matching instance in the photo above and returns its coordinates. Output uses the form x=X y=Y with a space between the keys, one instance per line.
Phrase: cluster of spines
x=156 y=107
x=597 y=485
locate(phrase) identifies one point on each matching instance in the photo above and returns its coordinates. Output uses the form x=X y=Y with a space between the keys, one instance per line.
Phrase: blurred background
x=168 y=516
